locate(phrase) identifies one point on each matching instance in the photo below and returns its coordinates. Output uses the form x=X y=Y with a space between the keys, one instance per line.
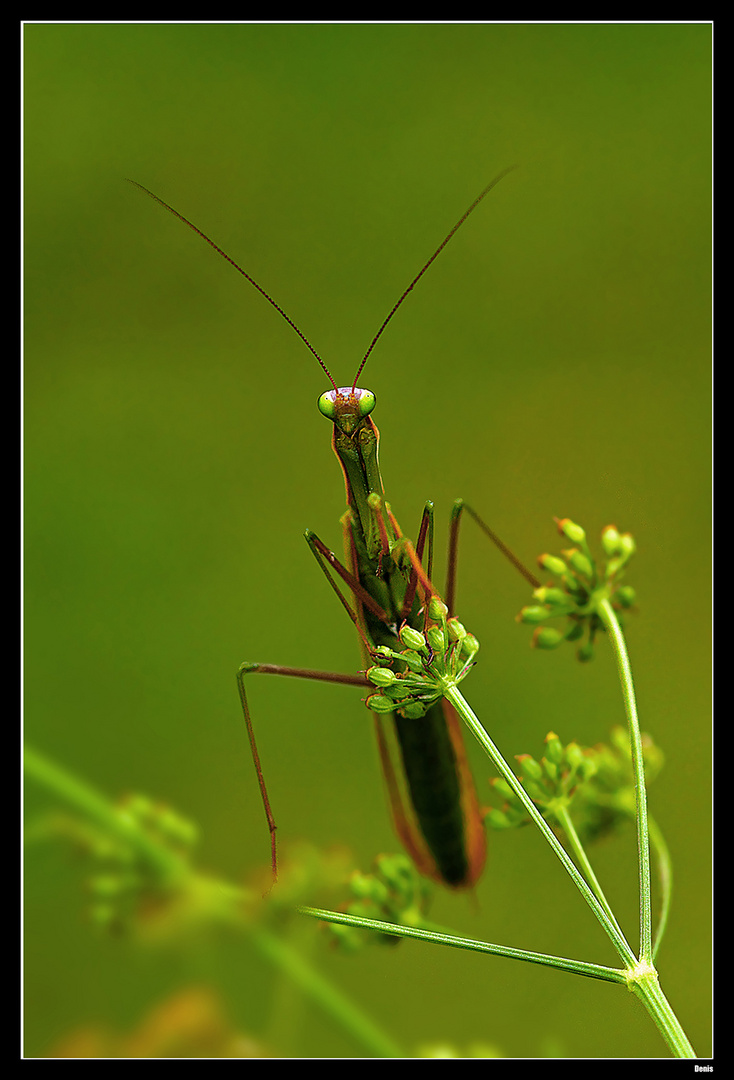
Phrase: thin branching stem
x=472 y=722
x=564 y=820
x=576 y=967
x=609 y=618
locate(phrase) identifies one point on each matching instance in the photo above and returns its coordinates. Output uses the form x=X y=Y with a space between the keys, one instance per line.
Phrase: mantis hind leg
x=452 y=562
x=296 y=673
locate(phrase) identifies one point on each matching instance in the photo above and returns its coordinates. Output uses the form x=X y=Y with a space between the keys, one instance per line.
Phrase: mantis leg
x=296 y=673
x=458 y=509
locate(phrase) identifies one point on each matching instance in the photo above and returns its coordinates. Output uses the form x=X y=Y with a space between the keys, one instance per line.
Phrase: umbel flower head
x=412 y=680
x=579 y=584
x=596 y=783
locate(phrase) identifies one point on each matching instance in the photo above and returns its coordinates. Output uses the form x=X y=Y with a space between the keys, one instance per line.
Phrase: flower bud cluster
x=550 y=782
x=121 y=877
x=412 y=680
x=579 y=584
x=610 y=799
x=394 y=892
x=596 y=783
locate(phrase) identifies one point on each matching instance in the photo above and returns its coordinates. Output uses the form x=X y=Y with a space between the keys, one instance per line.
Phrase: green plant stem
x=168 y=867
x=472 y=722
x=324 y=994
x=219 y=900
x=564 y=820
x=640 y=974
x=609 y=618
x=645 y=985
x=665 y=874
x=575 y=967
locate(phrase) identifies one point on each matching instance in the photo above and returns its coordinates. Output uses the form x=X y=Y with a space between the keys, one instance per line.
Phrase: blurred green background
x=555 y=360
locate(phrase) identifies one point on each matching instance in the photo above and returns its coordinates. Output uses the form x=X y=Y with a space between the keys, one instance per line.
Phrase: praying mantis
x=384 y=584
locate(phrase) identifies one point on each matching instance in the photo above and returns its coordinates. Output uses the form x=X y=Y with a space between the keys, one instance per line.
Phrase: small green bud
x=620 y=740
x=575 y=632
x=571 y=530
x=535 y=790
x=469 y=646
x=545 y=637
x=610 y=540
x=552 y=564
x=553 y=747
x=581 y=563
x=436 y=639
x=456 y=630
x=627 y=545
x=550 y=769
x=502 y=788
x=413 y=661
x=575 y=756
x=360 y=885
x=394 y=868
x=626 y=596
x=367 y=887
x=437 y=610
x=585 y=653
x=382 y=655
x=412 y=639
x=498 y=819
x=533 y=614
x=381 y=676
x=394 y=691
x=530 y=767
x=552 y=596
x=380 y=704
x=414 y=710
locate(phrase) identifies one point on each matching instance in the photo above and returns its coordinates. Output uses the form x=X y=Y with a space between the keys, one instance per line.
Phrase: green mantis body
x=434 y=804
x=432 y=796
